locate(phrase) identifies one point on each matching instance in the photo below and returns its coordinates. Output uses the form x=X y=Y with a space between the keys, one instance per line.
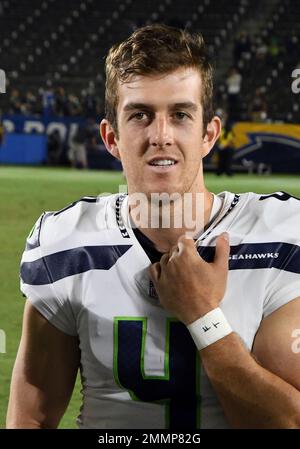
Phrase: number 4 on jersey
x=178 y=388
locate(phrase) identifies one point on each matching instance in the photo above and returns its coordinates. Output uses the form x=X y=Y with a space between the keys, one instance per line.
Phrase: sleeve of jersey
x=38 y=287
x=284 y=285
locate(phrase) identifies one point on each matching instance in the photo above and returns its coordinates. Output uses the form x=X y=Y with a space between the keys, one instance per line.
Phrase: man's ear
x=213 y=132
x=109 y=138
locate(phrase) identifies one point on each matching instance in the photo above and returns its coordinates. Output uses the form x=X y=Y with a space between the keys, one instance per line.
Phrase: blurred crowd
x=55 y=101
x=259 y=62
x=84 y=149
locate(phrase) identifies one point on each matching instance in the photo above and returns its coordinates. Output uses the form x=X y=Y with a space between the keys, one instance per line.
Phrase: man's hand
x=188 y=286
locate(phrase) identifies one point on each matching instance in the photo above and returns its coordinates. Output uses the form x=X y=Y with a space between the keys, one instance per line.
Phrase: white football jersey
x=85 y=271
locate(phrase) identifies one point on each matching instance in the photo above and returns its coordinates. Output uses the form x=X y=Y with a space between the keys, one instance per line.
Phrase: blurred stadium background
x=51 y=53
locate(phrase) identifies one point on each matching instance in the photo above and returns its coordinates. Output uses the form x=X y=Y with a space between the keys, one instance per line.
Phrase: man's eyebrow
x=185 y=105
x=182 y=105
x=134 y=106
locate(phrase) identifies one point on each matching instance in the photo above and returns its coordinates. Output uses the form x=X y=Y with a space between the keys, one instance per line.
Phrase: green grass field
x=24 y=194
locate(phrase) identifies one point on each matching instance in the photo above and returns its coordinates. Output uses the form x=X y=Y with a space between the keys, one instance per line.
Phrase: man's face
x=160 y=141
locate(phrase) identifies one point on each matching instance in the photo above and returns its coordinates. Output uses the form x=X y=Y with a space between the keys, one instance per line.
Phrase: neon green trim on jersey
x=116 y=350
x=166 y=376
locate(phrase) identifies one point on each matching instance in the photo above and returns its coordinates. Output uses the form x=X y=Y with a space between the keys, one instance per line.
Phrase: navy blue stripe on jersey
x=54 y=267
x=281 y=255
x=85 y=199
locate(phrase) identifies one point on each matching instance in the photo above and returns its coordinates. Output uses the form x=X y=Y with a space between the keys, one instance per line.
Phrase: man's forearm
x=251 y=396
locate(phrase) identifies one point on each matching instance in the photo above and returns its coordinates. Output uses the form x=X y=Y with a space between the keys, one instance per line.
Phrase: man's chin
x=164 y=194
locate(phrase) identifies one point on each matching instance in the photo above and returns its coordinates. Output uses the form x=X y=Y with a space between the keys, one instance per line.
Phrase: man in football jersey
x=169 y=331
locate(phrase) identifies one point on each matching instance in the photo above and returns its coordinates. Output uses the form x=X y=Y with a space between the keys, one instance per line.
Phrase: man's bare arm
x=44 y=374
x=252 y=396
x=262 y=393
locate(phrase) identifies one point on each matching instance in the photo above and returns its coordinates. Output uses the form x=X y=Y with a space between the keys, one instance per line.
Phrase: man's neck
x=165 y=237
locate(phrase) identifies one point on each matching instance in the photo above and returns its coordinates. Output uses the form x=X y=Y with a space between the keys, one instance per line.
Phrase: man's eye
x=180 y=115
x=139 y=116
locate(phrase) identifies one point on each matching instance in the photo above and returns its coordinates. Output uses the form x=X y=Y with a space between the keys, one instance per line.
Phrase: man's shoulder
x=274 y=215
x=80 y=221
x=277 y=203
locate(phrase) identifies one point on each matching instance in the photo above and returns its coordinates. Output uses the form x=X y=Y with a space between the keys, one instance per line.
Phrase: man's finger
x=164 y=259
x=173 y=252
x=185 y=242
x=154 y=272
x=222 y=251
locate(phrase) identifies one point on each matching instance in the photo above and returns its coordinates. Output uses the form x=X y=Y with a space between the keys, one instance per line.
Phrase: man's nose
x=161 y=133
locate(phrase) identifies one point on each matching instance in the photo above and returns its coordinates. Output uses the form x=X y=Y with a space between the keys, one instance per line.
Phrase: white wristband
x=209 y=328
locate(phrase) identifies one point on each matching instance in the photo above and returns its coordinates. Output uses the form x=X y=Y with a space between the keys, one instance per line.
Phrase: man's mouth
x=162 y=162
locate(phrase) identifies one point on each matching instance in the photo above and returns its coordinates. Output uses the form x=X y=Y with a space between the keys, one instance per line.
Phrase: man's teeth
x=163 y=162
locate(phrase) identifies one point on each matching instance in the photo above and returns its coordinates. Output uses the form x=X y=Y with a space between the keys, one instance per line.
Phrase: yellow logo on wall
x=249 y=136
